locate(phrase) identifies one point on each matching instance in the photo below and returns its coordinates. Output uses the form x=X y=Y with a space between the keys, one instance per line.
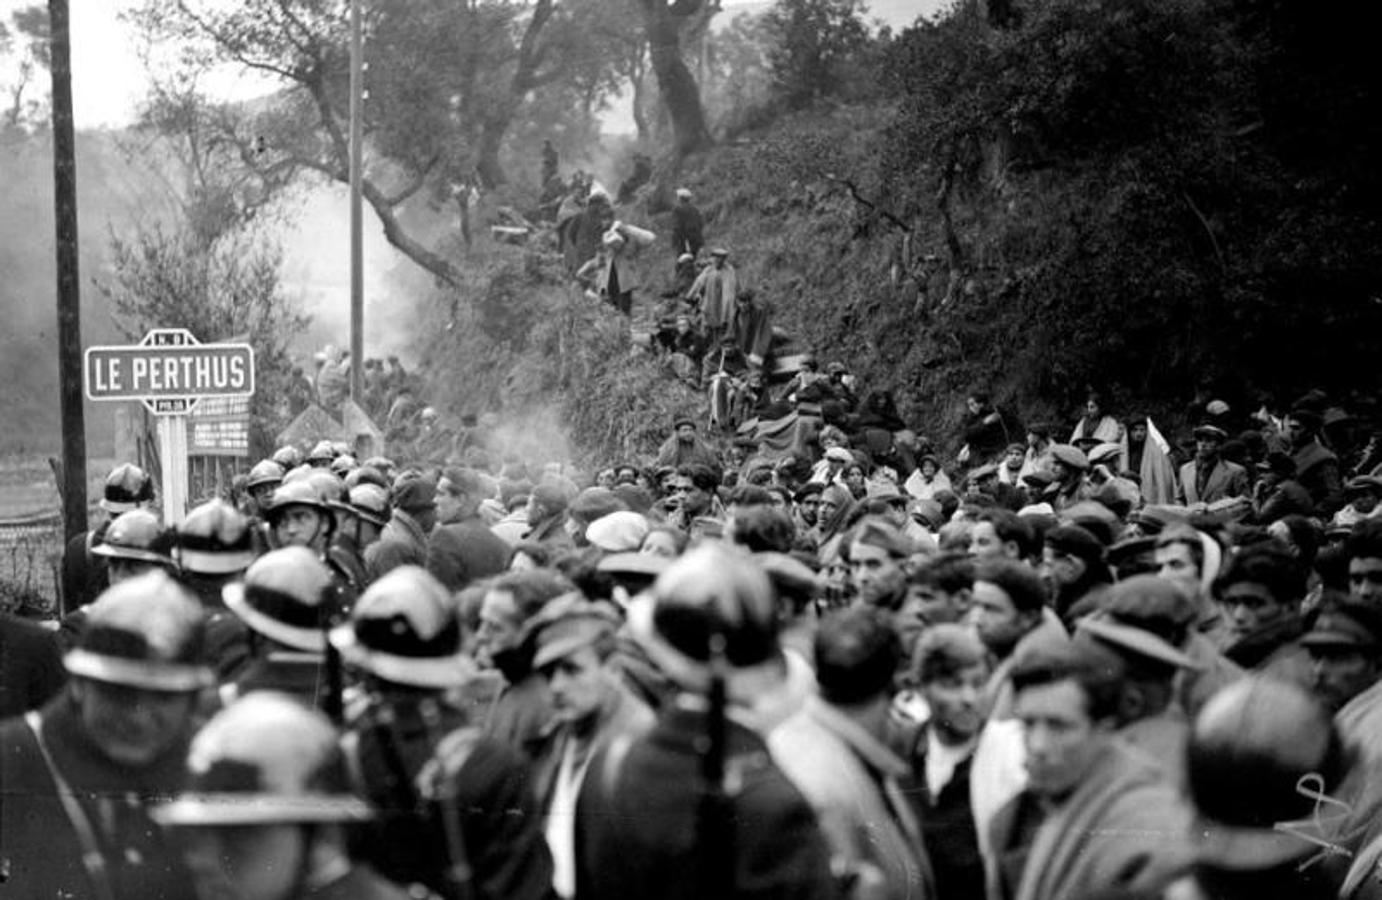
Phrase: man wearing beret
x=1209 y=478
x=575 y=653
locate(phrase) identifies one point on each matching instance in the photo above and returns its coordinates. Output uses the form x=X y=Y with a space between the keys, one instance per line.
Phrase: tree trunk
x=487 y=163
x=680 y=93
x=640 y=99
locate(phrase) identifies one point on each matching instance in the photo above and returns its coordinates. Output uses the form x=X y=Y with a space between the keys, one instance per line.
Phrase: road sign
x=170 y=372
x=220 y=426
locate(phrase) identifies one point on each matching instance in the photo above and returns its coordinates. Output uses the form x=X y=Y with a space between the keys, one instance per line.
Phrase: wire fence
x=30 y=564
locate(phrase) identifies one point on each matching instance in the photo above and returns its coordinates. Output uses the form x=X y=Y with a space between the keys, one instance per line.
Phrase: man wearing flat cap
x=1138 y=623
x=1277 y=493
x=575 y=652
x=877 y=554
x=1344 y=642
x=1209 y=478
x=1070 y=467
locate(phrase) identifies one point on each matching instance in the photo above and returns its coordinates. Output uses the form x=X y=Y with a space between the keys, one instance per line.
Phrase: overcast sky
x=108 y=78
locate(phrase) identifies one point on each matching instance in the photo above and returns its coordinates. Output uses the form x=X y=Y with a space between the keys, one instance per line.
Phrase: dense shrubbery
x=1156 y=197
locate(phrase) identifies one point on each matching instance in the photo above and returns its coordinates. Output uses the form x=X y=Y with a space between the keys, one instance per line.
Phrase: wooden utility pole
x=357 y=274
x=69 y=281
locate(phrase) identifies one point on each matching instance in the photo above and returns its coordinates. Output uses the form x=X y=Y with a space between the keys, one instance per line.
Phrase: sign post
x=170 y=371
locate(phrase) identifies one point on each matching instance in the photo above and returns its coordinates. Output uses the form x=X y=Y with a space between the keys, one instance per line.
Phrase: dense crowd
x=825 y=662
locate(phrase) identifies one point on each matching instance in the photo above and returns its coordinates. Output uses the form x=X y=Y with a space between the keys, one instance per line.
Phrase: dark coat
x=1317 y=469
x=401 y=543
x=84 y=574
x=636 y=834
x=459 y=553
x=522 y=715
x=947 y=825
x=688 y=229
x=483 y=782
x=37 y=838
x=31 y=669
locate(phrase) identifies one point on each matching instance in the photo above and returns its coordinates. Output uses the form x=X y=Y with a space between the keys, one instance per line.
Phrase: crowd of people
x=1085 y=663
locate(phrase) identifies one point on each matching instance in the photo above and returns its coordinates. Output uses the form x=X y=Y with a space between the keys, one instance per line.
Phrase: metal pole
x=357 y=280
x=69 y=280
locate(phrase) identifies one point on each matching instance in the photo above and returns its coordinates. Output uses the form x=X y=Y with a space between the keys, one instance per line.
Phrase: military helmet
x=288 y=457
x=322 y=453
x=215 y=539
x=711 y=590
x=137 y=534
x=405 y=629
x=343 y=465
x=1251 y=748
x=366 y=501
x=147 y=632
x=285 y=597
x=127 y=487
x=264 y=760
x=299 y=492
x=328 y=486
x=266 y=471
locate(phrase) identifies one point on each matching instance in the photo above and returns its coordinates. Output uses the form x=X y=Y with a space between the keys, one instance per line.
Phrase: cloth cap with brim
x=1136 y=641
x=810 y=489
x=650 y=565
x=684 y=193
x=1039 y=478
x=930 y=510
x=1070 y=456
x=884 y=489
x=1208 y=432
x=414 y=495
x=839 y=454
x=569 y=624
x=618 y=532
x=1104 y=453
x=988 y=470
x=1336 y=628
x=719 y=251
x=1077 y=541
